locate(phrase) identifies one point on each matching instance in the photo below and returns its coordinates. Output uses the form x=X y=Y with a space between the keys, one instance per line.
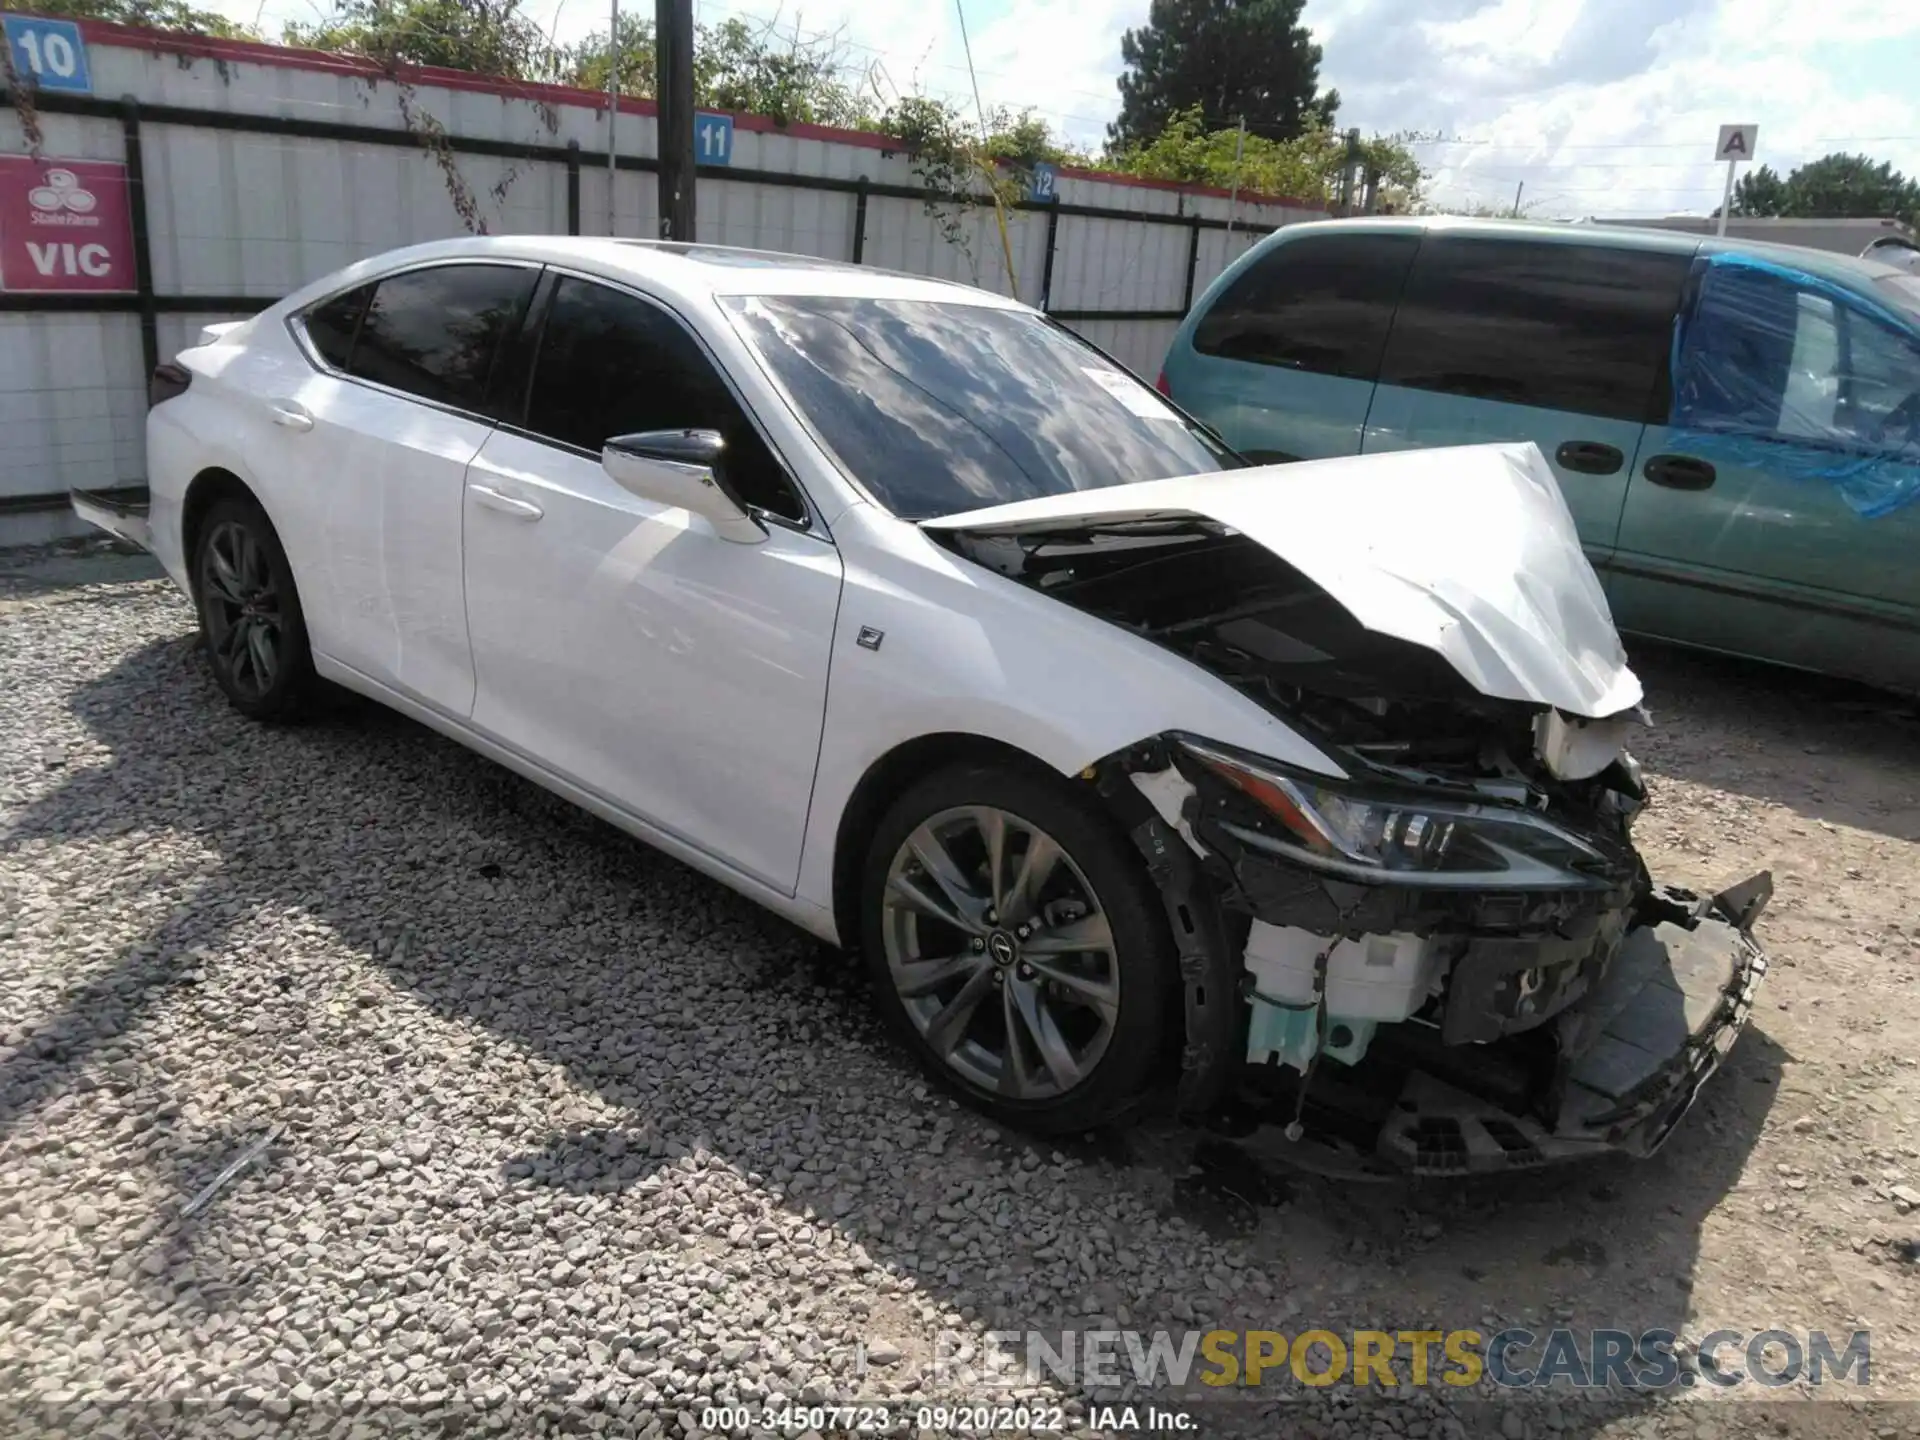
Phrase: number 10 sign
x=49 y=53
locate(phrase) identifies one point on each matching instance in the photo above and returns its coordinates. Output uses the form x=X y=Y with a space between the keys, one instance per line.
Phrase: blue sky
x=1597 y=106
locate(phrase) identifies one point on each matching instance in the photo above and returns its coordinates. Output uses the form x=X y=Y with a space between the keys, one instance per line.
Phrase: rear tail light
x=168 y=381
x=1162 y=386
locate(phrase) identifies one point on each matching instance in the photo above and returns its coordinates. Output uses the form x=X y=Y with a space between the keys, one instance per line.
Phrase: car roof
x=1841 y=269
x=696 y=271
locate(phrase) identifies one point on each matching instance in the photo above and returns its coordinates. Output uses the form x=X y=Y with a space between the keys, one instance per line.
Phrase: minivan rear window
x=1581 y=328
x=1321 y=303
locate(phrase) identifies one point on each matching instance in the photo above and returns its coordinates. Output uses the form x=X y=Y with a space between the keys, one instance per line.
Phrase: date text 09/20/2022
x=921 y=1419
x=940 y=1419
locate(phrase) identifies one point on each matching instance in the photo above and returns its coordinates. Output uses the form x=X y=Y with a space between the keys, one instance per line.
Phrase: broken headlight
x=1372 y=833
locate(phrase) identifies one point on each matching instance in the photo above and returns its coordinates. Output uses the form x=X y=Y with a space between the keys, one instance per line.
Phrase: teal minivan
x=1735 y=427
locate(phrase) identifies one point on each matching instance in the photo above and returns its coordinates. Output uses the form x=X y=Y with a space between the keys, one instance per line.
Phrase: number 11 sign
x=712 y=138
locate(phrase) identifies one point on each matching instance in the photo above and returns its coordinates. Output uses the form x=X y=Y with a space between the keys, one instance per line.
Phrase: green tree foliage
x=1834 y=187
x=149 y=14
x=1307 y=167
x=1760 y=191
x=1233 y=59
x=487 y=37
x=736 y=66
x=587 y=63
x=740 y=67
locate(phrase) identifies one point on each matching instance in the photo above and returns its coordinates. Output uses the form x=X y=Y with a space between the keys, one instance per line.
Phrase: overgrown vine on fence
x=427 y=128
x=21 y=96
x=432 y=135
x=961 y=171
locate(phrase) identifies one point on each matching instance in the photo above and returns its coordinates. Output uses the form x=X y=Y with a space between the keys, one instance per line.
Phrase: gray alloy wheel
x=243 y=609
x=1000 y=952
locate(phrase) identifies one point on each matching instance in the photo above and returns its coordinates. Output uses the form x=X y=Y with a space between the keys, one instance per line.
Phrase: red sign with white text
x=64 y=225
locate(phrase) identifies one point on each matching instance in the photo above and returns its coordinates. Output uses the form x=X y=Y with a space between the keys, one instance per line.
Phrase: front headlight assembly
x=1398 y=835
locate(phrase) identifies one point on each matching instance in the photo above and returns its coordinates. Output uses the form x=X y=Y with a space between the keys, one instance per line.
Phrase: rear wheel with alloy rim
x=1016 y=941
x=250 y=614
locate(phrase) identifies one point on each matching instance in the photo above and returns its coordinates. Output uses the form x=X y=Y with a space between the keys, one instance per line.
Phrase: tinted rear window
x=1322 y=304
x=1585 y=328
x=330 y=325
x=434 y=332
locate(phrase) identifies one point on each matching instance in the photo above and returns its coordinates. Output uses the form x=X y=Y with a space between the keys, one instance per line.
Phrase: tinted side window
x=1322 y=304
x=434 y=333
x=612 y=364
x=330 y=325
x=1564 y=327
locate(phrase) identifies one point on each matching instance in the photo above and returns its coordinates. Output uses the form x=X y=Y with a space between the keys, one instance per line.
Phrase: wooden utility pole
x=673 y=51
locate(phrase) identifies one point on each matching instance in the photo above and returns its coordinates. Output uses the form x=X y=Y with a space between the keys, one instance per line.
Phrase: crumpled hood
x=1469 y=552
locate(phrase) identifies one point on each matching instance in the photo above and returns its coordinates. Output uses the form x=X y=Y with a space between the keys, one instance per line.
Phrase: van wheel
x=250 y=617
x=1015 y=941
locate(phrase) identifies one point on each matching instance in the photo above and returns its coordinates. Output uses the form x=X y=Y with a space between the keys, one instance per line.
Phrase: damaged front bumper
x=1441 y=1031
x=1673 y=1000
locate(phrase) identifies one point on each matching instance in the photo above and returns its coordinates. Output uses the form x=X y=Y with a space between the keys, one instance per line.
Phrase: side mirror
x=680 y=468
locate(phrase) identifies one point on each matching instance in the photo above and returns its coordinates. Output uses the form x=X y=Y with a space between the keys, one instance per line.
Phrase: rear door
x=1561 y=344
x=1774 y=517
x=378 y=441
x=1282 y=361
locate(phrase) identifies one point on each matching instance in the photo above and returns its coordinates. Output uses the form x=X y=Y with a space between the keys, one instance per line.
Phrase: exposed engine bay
x=1450 y=956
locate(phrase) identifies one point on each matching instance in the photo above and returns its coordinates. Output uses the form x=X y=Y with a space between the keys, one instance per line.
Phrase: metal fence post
x=1193 y=262
x=860 y=220
x=1046 y=273
x=142 y=252
x=573 y=187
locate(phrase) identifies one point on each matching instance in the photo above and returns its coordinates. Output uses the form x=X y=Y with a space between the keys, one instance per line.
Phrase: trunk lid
x=1469 y=552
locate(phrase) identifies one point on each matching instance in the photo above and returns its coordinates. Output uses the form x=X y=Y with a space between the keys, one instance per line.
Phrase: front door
x=1778 y=515
x=622 y=643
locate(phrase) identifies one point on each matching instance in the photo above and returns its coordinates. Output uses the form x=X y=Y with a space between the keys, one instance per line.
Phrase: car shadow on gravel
x=1828 y=749
x=697 y=1021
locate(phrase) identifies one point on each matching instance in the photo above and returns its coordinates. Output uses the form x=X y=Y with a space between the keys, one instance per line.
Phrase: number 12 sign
x=712 y=138
x=50 y=53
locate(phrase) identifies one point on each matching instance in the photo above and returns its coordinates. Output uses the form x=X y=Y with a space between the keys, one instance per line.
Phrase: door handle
x=1589 y=457
x=290 y=413
x=506 y=504
x=1679 y=472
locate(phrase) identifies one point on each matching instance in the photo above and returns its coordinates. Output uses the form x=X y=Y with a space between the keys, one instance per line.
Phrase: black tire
x=251 y=623
x=1141 y=958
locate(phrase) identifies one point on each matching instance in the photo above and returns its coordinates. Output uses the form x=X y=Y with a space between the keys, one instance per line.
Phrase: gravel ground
x=561 y=1137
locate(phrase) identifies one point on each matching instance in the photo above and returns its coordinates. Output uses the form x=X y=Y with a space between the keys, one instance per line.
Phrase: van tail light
x=1162 y=386
x=169 y=380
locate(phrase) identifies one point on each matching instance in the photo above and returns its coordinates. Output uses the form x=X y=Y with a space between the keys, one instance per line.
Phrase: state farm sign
x=65 y=225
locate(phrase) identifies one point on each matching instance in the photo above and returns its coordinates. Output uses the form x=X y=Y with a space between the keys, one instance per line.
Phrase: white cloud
x=1612 y=106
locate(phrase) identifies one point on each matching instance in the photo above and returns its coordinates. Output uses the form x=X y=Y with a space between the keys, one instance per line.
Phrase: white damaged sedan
x=1131 y=771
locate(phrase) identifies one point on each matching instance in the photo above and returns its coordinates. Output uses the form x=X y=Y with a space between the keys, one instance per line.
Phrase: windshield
x=936 y=408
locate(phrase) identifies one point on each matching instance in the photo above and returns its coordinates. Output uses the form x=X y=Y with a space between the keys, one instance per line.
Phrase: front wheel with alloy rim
x=250 y=616
x=1015 y=940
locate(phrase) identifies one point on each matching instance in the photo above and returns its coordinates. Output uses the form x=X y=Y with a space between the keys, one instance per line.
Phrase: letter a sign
x=1737 y=142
